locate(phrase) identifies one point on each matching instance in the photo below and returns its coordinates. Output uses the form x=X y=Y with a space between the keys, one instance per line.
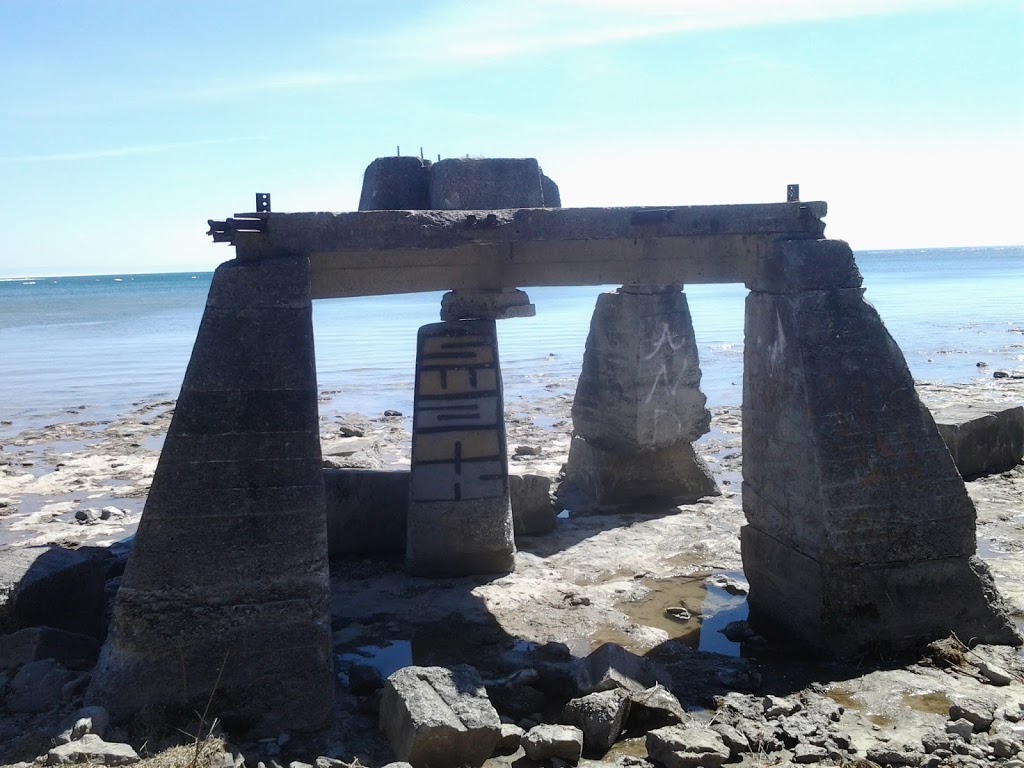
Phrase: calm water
x=108 y=342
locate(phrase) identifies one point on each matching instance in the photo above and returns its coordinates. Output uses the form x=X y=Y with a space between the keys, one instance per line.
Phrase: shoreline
x=618 y=578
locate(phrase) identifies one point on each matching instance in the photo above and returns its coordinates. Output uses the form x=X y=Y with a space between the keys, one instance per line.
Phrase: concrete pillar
x=638 y=405
x=460 y=521
x=860 y=532
x=226 y=591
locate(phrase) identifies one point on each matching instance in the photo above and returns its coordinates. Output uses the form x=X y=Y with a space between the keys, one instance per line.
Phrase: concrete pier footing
x=226 y=593
x=860 y=532
x=638 y=406
x=459 y=519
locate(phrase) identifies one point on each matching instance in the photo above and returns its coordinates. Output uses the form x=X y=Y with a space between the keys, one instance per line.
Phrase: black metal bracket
x=225 y=231
x=792 y=193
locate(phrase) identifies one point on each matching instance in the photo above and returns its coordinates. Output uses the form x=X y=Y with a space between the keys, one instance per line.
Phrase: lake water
x=108 y=342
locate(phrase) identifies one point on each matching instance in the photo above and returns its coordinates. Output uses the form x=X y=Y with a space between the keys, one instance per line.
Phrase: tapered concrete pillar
x=226 y=591
x=638 y=406
x=460 y=521
x=860 y=532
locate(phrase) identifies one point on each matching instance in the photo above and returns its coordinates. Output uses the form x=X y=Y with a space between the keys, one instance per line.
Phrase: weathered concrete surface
x=437 y=716
x=227 y=586
x=367 y=511
x=486 y=305
x=459 y=520
x=395 y=183
x=383 y=252
x=982 y=440
x=639 y=389
x=638 y=405
x=460 y=184
x=532 y=510
x=597 y=480
x=860 y=528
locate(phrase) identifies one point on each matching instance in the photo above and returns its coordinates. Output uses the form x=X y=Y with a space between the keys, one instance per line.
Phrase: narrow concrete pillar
x=460 y=521
x=226 y=591
x=638 y=405
x=860 y=532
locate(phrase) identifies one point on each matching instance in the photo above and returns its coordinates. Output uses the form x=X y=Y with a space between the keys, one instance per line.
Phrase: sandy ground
x=615 y=577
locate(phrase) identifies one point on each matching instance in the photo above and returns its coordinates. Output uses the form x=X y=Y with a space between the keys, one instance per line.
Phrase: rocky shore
x=657 y=599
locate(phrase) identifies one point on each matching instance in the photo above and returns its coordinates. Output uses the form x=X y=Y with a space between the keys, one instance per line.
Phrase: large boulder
x=38 y=687
x=687 y=746
x=611 y=666
x=93 y=750
x=546 y=742
x=435 y=717
x=983 y=439
x=73 y=650
x=600 y=716
x=54 y=587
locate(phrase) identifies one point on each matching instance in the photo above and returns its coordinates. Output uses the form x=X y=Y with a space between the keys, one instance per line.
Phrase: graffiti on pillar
x=458 y=436
x=665 y=344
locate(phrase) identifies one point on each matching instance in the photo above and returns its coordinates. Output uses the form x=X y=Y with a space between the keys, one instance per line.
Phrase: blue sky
x=125 y=125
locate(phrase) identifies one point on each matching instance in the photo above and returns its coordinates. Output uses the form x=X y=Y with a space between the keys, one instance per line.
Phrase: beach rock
x=654 y=707
x=516 y=700
x=808 y=753
x=37 y=687
x=778 y=706
x=532 y=510
x=687 y=746
x=436 y=716
x=511 y=737
x=960 y=727
x=92 y=749
x=732 y=738
x=600 y=716
x=92 y=720
x=53 y=587
x=364 y=679
x=979 y=713
x=612 y=666
x=994 y=674
x=72 y=650
x=982 y=439
x=544 y=742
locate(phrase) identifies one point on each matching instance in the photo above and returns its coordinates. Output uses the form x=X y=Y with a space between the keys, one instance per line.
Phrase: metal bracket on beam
x=225 y=231
x=792 y=193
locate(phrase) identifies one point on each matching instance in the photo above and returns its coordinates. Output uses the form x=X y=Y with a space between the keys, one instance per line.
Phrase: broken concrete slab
x=611 y=666
x=550 y=742
x=71 y=649
x=54 y=587
x=366 y=511
x=687 y=746
x=532 y=510
x=92 y=749
x=983 y=440
x=437 y=716
x=600 y=716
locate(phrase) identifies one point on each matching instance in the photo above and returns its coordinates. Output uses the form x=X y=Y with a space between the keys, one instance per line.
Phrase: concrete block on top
x=396 y=184
x=480 y=184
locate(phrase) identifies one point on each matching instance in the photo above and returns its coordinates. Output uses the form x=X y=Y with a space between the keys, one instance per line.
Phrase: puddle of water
x=634 y=748
x=930 y=703
x=845 y=699
x=386 y=659
x=690 y=610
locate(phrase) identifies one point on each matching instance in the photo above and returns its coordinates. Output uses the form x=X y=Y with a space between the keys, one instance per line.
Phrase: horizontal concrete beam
x=384 y=252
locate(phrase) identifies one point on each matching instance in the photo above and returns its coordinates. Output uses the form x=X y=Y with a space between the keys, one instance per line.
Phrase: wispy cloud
x=464 y=31
x=129 y=151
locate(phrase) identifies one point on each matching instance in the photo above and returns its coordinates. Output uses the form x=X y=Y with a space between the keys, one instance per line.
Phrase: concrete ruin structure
x=860 y=535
